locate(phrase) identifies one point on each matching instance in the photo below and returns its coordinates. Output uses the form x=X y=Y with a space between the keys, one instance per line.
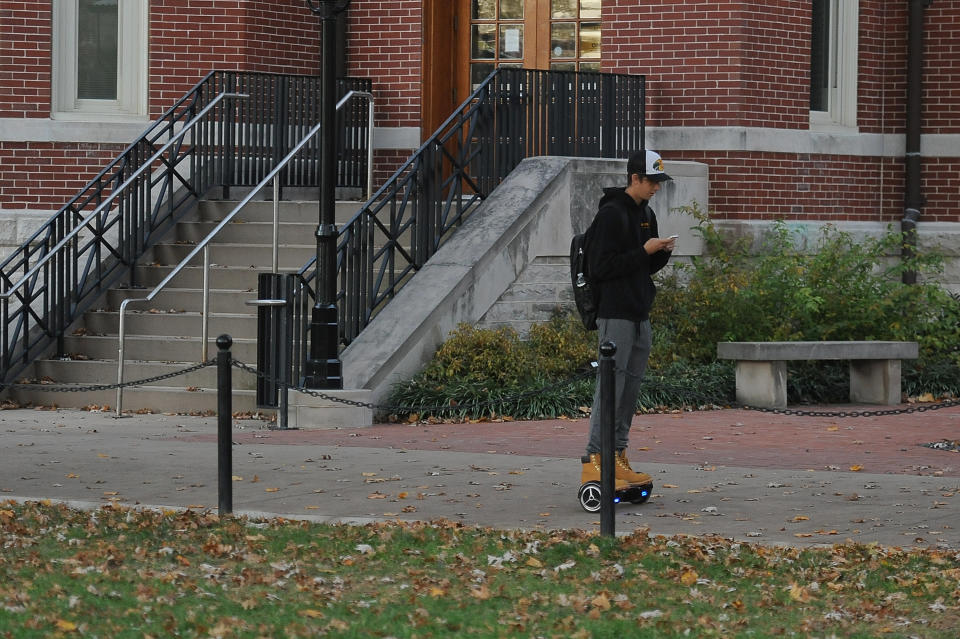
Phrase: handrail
x=117 y=191
x=370 y=105
x=513 y=114
x=204 y=244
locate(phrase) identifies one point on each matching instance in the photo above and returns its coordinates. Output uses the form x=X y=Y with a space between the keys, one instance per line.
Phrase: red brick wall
x=385 y=44
x=45 y=175
x=775 y=56
x=881 y=86
x=25 y=32
x=711 y=63
x=189 y=38
x=941 y=94
x=746 y=63
x=941 y=188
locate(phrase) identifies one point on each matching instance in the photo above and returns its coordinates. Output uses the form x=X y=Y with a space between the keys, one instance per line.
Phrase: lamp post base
x=324 y=368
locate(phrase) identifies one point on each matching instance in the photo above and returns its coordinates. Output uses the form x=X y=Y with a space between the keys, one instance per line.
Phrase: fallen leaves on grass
x=116 y=571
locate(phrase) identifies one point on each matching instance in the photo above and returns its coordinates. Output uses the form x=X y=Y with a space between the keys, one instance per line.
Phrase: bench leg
x=875 y=381
x=762 y=384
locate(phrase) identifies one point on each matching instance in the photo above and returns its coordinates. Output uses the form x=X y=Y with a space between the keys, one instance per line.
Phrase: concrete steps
x=163 y=335
x=540 y=290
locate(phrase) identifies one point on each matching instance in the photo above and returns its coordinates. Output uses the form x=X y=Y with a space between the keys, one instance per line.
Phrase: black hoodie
x=618 y=266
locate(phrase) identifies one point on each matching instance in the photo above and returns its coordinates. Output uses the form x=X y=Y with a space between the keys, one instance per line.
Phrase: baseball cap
x=654 y=167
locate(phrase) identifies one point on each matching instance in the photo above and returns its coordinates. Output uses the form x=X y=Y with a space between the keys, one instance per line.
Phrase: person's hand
x=655 y=244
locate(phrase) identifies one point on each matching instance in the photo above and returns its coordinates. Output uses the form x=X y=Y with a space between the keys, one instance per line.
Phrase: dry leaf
x=799 y=593
x=601 y=602
x=67 y=626
x=482 y=593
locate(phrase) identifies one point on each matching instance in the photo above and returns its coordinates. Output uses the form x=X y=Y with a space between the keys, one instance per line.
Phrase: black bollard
x=224 y=435
x=608 y=404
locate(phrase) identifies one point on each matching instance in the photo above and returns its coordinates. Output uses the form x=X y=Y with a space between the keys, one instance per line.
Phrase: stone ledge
x=835 y=350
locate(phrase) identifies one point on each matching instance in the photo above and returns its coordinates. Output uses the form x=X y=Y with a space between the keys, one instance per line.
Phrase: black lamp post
x=323 y=368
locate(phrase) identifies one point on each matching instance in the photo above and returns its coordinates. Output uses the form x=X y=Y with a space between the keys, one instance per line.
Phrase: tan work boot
x=591 y=471
x=626 y=473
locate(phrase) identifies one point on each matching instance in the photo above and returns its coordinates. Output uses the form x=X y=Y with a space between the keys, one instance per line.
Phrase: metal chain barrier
x=696 y=397
x=920 y=408
x=702 y=399
x=418 y=409
x=54 y=388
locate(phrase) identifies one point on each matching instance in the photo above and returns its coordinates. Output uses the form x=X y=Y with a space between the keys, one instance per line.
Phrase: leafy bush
x=842 y=288
x=492 y=372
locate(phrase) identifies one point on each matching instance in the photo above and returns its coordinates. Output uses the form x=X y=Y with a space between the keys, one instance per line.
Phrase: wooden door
x=464 y=40
x=532 y=34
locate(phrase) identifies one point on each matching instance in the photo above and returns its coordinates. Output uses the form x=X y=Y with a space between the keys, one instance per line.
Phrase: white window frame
x=131 y=102
x=843 y=36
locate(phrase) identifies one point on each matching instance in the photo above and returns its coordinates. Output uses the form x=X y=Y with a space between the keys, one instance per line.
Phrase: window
x=833 y=63
x=575 y=35
x=99 y=59
x=561 y=35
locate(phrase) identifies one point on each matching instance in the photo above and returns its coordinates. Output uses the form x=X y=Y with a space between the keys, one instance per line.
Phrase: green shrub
x=839 y=289
x=562 y=346
x=492 y=372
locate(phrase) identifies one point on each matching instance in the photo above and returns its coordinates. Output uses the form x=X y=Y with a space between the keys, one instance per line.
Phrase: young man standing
x=625 y=250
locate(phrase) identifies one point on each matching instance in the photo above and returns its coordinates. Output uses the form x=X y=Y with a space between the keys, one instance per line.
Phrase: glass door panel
x=535 y=34
x=575 y=35
x=496 y=36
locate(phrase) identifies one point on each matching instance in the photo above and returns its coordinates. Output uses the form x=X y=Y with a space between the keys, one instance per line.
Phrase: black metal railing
x=96 y=239
x=512 y=115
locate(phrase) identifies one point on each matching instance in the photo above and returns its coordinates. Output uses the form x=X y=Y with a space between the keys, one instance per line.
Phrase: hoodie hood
x=619 y=195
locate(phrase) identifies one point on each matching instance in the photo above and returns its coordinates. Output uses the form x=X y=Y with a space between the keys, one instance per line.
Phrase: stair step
x=289 y=256
x=157 y=348
x=246 y=233
x=242 y=278
x=538 y=292
x=296 y=211
x=261 y=234
x=183 y=299
x=165 y=323
x=170 y=399
x=100 y=372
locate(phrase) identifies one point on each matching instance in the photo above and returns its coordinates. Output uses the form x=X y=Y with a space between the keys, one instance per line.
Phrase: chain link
x=387 y=408
x=477 y=405
x=105 y=387
x=946 y=403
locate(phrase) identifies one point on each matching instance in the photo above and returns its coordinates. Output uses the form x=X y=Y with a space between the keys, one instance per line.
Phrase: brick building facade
x=728 y=84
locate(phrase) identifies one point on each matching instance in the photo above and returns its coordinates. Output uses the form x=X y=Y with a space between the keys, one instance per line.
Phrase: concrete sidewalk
x=746 y=475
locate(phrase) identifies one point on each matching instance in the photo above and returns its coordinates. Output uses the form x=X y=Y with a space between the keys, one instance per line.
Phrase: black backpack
x=583 y=295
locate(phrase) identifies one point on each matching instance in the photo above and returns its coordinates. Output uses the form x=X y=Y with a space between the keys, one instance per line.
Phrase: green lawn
x=117 y=572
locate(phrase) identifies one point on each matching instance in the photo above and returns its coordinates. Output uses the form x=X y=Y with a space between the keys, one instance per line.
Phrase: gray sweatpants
x=633 y=340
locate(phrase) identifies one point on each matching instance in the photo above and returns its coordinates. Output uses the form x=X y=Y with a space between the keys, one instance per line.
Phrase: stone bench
x=762 y=368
